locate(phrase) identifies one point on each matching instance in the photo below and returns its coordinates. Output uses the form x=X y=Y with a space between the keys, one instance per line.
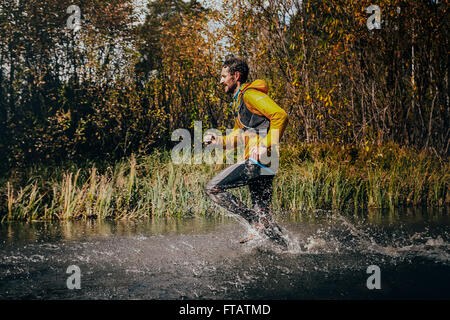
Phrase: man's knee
x=211 y=189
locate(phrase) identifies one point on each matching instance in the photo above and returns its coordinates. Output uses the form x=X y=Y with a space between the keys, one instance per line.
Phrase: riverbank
x=311 y=177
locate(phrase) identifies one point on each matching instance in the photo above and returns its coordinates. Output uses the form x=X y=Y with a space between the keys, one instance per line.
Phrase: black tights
x=240 y=174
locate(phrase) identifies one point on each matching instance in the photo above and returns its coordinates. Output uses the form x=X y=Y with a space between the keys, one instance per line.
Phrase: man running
x=259 y=123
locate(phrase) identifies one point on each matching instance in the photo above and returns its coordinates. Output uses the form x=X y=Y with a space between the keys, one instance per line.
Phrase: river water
x=201 y=258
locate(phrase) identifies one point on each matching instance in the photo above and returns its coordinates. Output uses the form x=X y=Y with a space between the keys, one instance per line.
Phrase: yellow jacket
x=258 y=102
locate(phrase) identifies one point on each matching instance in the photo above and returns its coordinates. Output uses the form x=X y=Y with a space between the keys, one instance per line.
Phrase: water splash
x=420 y=244
x=324 y=260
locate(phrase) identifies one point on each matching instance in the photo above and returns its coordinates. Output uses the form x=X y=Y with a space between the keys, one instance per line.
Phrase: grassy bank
x=310 y=178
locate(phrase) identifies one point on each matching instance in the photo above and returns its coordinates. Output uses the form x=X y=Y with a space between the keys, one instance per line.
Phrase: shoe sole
x=249 y=238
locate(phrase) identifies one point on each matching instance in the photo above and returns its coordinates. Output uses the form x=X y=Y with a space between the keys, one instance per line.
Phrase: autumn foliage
x=117 y=87
x=344 y=83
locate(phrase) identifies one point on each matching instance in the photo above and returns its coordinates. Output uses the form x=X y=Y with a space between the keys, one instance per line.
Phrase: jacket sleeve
x=264 y=105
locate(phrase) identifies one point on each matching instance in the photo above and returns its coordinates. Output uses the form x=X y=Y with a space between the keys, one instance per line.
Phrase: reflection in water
x=72 y=230
x=200 y=258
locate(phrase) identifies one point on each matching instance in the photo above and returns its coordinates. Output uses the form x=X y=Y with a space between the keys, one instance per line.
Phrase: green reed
x=311 y=177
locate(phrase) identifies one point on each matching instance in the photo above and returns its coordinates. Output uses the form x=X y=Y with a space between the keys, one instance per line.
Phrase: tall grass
x=310 y=178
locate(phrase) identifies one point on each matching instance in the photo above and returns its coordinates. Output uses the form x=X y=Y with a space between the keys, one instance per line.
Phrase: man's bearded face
x=228 y=80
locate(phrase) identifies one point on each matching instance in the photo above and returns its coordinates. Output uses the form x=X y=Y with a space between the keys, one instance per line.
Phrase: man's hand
x=211 y=139
x=257 y=151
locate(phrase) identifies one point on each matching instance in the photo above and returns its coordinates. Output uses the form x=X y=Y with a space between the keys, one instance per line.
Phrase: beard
x=230 y=89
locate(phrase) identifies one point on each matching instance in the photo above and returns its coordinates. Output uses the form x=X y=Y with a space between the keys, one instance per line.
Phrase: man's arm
x=260 y=103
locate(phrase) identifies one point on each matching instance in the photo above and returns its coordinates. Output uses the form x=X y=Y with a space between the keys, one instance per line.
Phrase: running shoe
x=270 y=229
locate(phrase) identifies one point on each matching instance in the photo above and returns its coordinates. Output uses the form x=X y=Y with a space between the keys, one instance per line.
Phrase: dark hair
x=237 y=65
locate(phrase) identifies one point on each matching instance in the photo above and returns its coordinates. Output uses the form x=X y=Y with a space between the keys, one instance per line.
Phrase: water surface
x=201 y=258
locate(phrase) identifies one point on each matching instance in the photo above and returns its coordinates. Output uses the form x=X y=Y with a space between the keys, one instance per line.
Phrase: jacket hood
x=259 y=84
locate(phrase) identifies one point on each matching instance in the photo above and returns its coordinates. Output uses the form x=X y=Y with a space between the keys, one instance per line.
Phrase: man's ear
x=237 y=76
